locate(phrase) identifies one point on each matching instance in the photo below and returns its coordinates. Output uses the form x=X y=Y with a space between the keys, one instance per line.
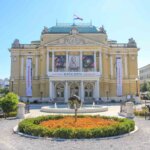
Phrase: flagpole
x=73 y=20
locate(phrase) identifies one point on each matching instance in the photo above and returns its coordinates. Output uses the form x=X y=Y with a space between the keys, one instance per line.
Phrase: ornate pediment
x=73 y=40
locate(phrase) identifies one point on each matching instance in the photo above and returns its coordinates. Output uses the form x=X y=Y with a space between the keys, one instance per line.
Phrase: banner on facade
x=60 y=61
x=74 y=74
x=119 y=76
x=74 y=62
x=88 y=61
x=29 y=77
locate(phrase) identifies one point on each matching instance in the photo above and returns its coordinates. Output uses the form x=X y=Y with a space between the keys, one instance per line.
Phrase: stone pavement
x=137 y=141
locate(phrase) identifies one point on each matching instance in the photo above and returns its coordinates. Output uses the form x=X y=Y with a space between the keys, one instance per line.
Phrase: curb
x=15 y=130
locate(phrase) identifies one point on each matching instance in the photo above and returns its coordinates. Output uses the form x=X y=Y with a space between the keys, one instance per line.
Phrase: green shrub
x=9 y=103
x=113 y=101
x=4 y=91
x=31 y=126
x=141 y=112
x=12 y=114
x=63 y=133
x=0 y=103
x=82 y=133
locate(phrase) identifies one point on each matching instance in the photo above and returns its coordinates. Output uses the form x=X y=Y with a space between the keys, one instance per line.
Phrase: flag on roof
x=77 y=18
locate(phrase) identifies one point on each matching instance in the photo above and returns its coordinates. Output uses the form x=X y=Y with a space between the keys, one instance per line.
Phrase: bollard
x=21 y=111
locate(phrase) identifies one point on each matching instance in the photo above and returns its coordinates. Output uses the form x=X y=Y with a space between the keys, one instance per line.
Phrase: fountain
x=55 y=105
x=63 y=108
x=93 y=104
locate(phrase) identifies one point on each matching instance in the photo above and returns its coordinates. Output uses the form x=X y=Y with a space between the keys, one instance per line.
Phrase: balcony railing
x=24 y=46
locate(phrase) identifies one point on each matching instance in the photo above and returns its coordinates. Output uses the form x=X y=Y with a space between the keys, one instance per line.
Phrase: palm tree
x=74 y=103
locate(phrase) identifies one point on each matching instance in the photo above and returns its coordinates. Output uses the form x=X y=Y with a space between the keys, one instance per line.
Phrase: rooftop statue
x=16 y=44
x=131 y=43
x=102 y=30
x=45 y=30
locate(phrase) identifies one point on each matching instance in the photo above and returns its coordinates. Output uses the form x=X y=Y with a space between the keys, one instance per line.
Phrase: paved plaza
x=140 y=140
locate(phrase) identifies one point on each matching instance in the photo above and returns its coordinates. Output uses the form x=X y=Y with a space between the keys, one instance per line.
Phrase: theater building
x=74 y=59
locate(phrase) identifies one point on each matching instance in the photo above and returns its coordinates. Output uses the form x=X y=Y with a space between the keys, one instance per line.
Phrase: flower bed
x=85 y=127
x=86 y=123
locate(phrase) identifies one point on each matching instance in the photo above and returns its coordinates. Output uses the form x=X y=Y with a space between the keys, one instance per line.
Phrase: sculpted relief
x=73 y=41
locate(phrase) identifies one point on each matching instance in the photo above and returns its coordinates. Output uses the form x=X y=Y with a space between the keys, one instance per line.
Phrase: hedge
x=141 y=112
x=31 y=126
x=9 y=103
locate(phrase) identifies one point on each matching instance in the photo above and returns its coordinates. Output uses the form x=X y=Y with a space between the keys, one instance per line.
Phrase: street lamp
x=137 y=93
x=41 y=95
x=12 y=84
x=107 y=95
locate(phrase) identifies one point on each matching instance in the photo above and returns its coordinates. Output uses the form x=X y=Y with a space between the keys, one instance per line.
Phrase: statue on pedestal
x=102 y=30
x=45 y=30
x=131 y=43
x=16 y=44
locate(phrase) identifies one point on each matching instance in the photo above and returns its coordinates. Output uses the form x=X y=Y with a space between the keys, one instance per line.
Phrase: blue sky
x=25 y=19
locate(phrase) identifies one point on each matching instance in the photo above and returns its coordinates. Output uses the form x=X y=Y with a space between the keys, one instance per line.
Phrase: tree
x=4 y=91
x=9 y=103
x=148 y=86
x=0 y=104
x=143 y=87
x=75 y=103
x=148 y=95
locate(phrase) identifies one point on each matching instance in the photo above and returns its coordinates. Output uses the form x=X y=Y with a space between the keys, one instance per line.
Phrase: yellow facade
x=74 y=42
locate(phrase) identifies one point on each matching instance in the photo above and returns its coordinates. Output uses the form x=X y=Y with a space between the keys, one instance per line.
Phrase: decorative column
x=82 y=91
x=47 y=61
x=95 y=61
x=66 y=61
x=81 y=61
x=111 y=66
x=66 y=91
x=100 y=62
x=22 y=67
x=96 y=90
x=36 y=67
x=126 y=64
x=52 y=61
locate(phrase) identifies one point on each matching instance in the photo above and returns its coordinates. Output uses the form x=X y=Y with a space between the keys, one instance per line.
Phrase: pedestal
x=21 y=111
x=130 y=109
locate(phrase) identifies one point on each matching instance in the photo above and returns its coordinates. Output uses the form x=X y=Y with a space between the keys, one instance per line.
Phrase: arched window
x=74 y=89
x=88 y=90
x=60 y=90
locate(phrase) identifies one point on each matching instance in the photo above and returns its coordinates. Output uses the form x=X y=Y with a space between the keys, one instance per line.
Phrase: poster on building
x=60 y=61
x=119 y=76
x=29 y=77
x=88 y=61
x=74 y=61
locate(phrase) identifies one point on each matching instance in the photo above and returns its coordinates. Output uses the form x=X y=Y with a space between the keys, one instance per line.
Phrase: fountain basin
x=91 y=109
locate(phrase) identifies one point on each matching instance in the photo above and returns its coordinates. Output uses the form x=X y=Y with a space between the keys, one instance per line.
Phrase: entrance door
x=60 y=91
x=74 y=90
x=88 y=91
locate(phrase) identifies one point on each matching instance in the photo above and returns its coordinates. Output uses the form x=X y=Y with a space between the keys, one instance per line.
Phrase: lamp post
x=28 y=104
x=12 y=84
x=107 y=95
x=41 y=95
x=137 y=94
